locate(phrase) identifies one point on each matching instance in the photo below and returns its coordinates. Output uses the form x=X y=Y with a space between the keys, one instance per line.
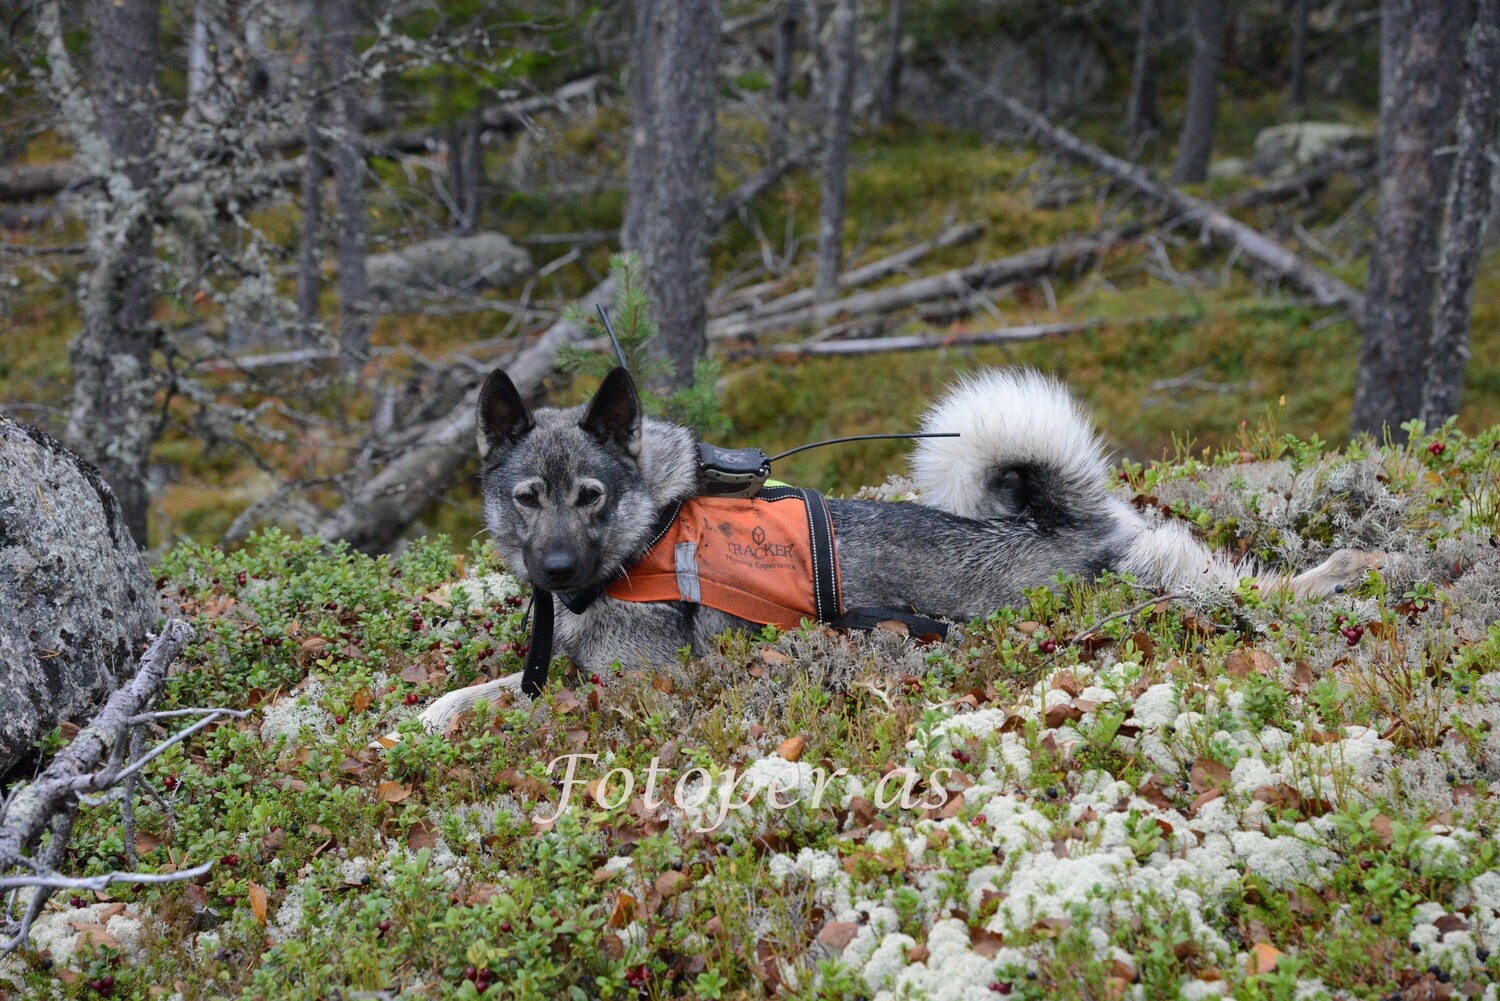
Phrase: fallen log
x=958 y=282
x=1304 y=184
x=746 y=303
x=1273 y=257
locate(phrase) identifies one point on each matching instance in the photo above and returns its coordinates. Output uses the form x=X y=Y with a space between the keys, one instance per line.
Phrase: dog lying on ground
x=574 y=498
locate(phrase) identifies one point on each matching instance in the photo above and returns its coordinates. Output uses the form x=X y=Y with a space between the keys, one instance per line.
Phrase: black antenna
x=609 y=329
x=864 y=437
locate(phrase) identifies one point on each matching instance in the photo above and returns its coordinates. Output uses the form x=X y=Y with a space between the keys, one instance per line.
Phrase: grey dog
x=571 y=498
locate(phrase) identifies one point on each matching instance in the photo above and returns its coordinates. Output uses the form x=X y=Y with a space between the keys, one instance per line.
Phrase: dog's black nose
x=559 y=566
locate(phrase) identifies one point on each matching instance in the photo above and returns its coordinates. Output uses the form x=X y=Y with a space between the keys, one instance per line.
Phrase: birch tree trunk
x=1421 y=43
x=1196 y=143
x=111 y=420
x=843 y=58
x=888 y=93
x=1468 y=211
x=348 y=186
x=640 y=180
x=685 y=105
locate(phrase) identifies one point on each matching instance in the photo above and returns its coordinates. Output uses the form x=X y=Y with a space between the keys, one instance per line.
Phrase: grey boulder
x=76 y=596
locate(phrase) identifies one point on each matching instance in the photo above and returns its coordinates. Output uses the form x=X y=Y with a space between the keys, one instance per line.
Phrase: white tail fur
x=1006 y=417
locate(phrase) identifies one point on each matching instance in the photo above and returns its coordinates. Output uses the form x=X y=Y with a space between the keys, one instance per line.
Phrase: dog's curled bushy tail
x=1025 y=450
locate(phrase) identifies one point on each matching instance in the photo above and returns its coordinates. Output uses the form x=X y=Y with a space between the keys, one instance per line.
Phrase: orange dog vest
x=769 y=558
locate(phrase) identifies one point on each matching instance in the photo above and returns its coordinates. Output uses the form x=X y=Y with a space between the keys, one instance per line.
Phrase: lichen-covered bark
x=1421 y=48
x=111 y=420
x=686 y=100
x=843 y=60
x=77 y=596
x=348 y=184
x=1468 y=211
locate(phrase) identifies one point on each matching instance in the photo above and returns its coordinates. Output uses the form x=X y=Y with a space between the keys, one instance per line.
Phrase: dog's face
x=564 y=494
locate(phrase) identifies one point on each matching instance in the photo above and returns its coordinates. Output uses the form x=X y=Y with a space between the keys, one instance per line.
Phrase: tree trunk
x=198 y=60
x=1141 y=111
x=640 y=180
x=685 y=104
x=1196 y=143
x=314 y=171
x=348 y=186
x=111 y=420
x=1468 y=211
x=888 y=93
x=1296 y=77
x=784 y=61
x=1421 y=43
x=843 y=57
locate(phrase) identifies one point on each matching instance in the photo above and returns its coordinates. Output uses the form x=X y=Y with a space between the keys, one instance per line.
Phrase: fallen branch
x=1272 y=256
x=959 y=282
x=745 y=303
x=927 y=342
x=1303 y=184
x=96 y=760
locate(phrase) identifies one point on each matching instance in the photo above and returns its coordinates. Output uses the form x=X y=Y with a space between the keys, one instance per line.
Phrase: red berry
x=108 y=981
x=522 y=650
x=330 y=606
x=170 y=782
x=961 y=756
x=488 y=624
x=505 y=927
x=999 y=988
x=1437 y=448
x=416 y=621
x=1047 y=646
x=338 y=721
x=230 y=860
x=76 y=902
x=241 y=577
x=470 y=973
x=411 y=698
x=981 y=819
x=595 y=679
x=384 y=926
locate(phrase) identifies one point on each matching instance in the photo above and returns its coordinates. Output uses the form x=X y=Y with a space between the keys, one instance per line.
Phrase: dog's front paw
x=1333 y=575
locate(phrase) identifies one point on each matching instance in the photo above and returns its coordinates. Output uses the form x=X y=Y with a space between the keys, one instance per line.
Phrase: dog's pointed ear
x=614 y=414
x=503 y=417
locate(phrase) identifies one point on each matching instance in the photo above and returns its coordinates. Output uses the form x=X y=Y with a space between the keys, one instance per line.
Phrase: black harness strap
x=539 y=653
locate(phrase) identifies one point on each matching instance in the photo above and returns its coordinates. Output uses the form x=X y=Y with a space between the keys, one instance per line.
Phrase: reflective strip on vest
x=769 y=559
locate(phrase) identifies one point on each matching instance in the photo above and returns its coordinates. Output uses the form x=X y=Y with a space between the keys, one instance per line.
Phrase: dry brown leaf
x=416 y=674
x=624 y=911
x=791 y=748
x=421 y=835
x=985 y=942
x=1244 y=662
x=257 y=896
x=361 y=700
x=670 y=883
x=1263 y=958
x=773 y=657
x=1208 y=774
x=392 y=792
x=837 y=934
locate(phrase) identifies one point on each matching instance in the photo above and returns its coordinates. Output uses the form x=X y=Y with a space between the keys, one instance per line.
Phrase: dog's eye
x=528 y=498
x=589 y=496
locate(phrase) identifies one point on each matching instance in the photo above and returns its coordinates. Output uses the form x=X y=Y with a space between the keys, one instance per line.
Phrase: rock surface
x=76 y=597
x=1284 y=149
x=447 y=265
